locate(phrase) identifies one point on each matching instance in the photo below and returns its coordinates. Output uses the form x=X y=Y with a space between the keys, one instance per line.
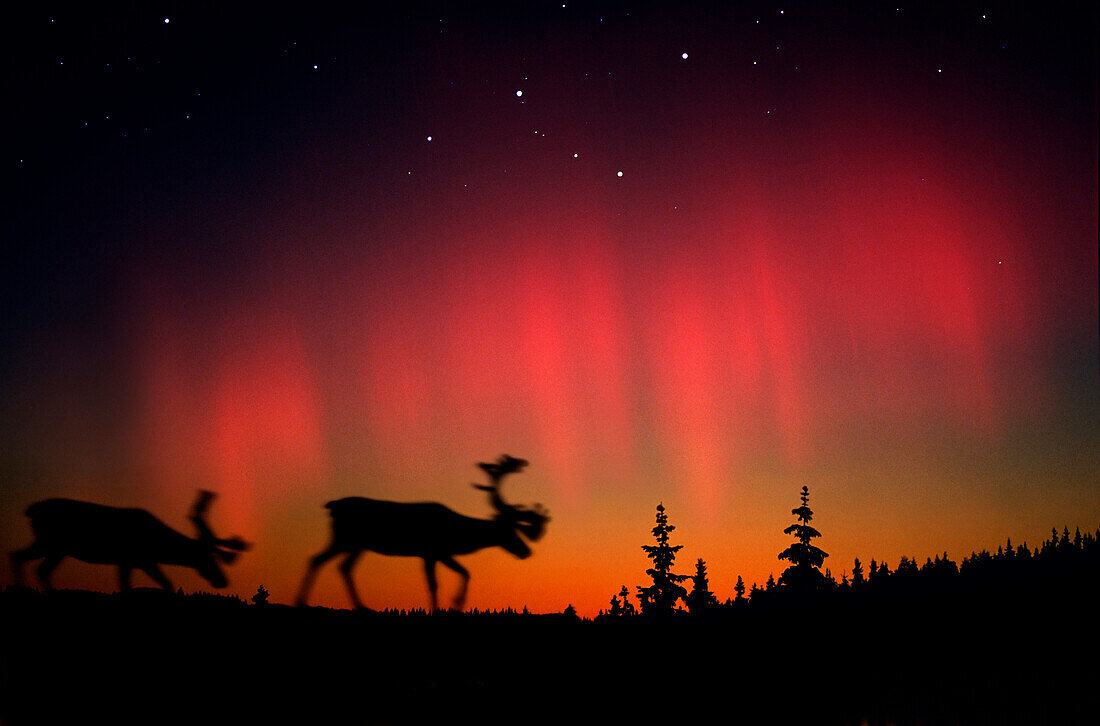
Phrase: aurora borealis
x=296 y=257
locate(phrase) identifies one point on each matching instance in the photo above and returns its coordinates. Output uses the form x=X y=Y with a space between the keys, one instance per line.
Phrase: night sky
x=692 y=253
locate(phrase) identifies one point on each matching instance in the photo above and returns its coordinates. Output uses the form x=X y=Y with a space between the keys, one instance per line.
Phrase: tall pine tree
x=660 y=598
x=804 y=574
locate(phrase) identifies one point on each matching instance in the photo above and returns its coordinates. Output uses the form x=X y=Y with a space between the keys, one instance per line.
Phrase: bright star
x=684 y=56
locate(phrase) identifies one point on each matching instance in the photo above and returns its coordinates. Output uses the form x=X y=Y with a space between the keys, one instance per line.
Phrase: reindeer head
x=531 y=523
x=211 y=548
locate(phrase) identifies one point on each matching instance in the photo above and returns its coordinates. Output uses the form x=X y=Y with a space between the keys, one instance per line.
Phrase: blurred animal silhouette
x=427 y=530
x=129 y=538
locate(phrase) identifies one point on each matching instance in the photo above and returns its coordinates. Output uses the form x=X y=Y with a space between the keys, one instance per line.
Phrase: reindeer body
x=416 y=529
x=128 y=538
x=106 y=535
x=427 y=530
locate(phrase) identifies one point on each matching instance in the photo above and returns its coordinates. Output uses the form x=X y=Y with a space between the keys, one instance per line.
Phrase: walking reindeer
x=427 y=530
x=128 y=538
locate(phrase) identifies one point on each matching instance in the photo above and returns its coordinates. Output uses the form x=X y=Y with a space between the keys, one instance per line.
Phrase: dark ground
x=150 y=657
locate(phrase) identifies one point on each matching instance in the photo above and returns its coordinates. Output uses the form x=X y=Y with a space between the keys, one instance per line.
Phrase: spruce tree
x=804 y=574
x=628 y=607
x=660 y=597
x=739 y=590
x=857 y=573
x=700 y=597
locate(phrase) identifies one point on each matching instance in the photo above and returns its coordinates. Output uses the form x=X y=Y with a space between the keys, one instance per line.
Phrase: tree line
x=1062 y=557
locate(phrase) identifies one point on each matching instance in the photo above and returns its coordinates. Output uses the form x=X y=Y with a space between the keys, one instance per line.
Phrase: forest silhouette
x=1000 y=637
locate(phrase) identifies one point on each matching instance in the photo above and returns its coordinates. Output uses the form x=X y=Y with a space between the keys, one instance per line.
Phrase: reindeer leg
x=345 y=570
x=124 y=577
x=154 y=571
x=460 y=598
x=433 y=585
x=315 y=564
x=45 y=570
x=20 y=557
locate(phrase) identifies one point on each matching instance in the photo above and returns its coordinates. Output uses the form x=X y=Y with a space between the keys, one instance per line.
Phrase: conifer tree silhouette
x=700 y=597
x=628 y=607
x=660 y=597
x=857 y=573
x=739 y=591
x=804 y=574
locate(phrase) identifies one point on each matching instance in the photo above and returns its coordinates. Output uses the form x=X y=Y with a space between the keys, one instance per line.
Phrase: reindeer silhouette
x=427 y=530
x=127 y=538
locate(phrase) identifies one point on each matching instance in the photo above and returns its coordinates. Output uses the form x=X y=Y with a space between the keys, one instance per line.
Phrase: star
x=684 y=56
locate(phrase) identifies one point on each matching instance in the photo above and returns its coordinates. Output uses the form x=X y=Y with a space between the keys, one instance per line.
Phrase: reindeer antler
x=504 y=465
x=532 y=522
x=497 y=471
x=198 y=518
